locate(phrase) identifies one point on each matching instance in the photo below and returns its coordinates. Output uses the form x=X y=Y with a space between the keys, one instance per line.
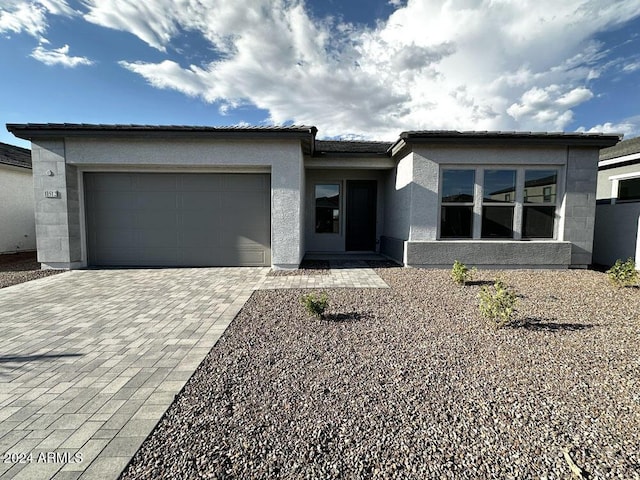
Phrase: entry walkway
x=341 y=274
x=90 y=360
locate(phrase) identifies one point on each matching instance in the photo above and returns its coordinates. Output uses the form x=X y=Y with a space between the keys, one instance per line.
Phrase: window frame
x=458 y=204
x=518 y=202
x=511 y=204
x=615 y=186
x=337 y=183
x=544 y=203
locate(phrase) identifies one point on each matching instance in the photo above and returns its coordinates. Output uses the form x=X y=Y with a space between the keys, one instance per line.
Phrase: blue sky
x=355 y=69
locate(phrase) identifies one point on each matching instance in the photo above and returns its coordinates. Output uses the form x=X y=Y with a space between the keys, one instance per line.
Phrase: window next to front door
x=327 y=197
x=508 y=203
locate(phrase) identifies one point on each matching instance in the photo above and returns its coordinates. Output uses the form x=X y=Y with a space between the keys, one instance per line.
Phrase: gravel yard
x=410 y=383
x=21 y=267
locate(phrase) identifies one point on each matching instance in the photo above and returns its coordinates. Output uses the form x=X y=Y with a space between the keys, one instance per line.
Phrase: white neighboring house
x=617 y=229
x=17 y=218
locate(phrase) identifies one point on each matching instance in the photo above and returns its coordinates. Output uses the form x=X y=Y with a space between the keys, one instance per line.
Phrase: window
x=629 y=189
x=516 y=203
x=327 y=208
x=497 y=207
x=456 y=215
x=539 y=209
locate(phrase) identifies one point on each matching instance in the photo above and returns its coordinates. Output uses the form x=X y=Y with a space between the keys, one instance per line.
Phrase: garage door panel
x=114 y=183
x=167 y=201
x=197 y=200
x=201 y=183
x=105 y=200
x=178 y=219
x=159 y=257
x=156 y=238
x=114 y=238
x=199 y=239
x=114 y=257
x=152 y=219
x=124 y=220
x=155 y=182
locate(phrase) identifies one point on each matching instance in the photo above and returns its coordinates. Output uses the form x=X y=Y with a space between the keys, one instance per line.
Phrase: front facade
x=617 y=233
x=123 y=195
x=17 y=222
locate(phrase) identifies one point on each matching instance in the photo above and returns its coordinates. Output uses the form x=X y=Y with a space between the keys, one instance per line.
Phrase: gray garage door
x=167 y=219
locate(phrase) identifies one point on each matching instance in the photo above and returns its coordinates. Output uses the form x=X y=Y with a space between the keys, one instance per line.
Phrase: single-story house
x=17 y=220
x=134 y=195
x=617 y=232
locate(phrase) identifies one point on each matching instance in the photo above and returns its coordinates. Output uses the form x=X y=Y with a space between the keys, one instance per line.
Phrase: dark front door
x=361 y=215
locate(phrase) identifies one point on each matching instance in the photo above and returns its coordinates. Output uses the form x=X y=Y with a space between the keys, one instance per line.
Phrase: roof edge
x=498 y=137
x=27 y=131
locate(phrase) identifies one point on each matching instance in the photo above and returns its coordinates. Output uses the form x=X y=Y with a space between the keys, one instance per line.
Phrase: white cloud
x=30 y=16
x=549 y=106
x=631 y=67
x=630 y=127
x=58 y=56
x=463 y=64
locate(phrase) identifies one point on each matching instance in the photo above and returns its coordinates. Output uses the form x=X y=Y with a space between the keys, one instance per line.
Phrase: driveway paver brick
x=91 y=359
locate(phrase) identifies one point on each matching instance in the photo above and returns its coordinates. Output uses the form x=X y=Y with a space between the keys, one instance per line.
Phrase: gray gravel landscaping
x=21 y=267
x=410 y=382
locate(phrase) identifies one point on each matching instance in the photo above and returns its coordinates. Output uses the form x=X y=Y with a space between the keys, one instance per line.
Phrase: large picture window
x=327 y=208
x=457 y=203
x=508 y=203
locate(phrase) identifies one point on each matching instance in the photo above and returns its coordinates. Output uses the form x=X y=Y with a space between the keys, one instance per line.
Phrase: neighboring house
x=17 y=221
x=617 y=234
x=126 y=195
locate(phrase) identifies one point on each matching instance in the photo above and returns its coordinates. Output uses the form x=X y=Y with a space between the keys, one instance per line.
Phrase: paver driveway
x=90 y=360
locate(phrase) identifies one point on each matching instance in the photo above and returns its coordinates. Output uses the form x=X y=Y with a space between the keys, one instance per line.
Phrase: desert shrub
x=315 y=304
x=498 y=304
x=460 y=274
x=623 y=274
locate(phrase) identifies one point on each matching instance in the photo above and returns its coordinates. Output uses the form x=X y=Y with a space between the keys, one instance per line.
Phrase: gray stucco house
x=127 y=195
x=617 y=232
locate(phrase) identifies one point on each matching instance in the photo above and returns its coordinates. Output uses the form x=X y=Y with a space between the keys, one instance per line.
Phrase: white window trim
x=478 y=200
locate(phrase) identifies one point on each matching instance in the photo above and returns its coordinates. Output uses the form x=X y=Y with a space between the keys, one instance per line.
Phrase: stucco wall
x=62 y=244
x=17 y=217
x=488 y=254
x=328 y=242
x=397 y=211
x=616 y=233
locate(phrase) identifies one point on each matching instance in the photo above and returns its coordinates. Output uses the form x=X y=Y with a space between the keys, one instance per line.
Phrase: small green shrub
x=315 y=304
x=460 y=274
x=498 y=304
x=623 y=274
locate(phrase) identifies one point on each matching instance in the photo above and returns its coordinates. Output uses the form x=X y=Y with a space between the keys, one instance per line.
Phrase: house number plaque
x=52 y=194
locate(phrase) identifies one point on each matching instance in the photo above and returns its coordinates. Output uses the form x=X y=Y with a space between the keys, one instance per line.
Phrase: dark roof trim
x=42 y=129
x=505 y=138
x=29 y=131
x=15 y=156
x=351 y=148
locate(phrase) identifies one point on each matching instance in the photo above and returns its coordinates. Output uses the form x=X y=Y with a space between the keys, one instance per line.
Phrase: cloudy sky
x=354 y=68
